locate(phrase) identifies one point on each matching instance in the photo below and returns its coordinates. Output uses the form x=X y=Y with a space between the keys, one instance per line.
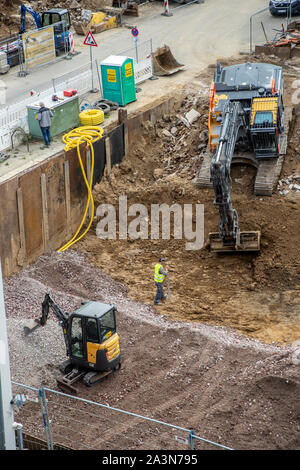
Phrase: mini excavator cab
x=93 y=340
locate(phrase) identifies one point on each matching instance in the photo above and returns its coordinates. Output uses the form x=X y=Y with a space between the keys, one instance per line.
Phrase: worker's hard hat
x=162 y=259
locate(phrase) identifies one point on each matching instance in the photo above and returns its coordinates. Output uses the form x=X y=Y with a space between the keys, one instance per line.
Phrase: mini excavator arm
x=36 y=16
x=63 y=319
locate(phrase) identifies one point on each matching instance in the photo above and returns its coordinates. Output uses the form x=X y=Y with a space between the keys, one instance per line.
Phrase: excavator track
x=268 y=170
x=92 y=378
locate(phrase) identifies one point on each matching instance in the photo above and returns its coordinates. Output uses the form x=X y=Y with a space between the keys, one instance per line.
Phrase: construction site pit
x=221 y=356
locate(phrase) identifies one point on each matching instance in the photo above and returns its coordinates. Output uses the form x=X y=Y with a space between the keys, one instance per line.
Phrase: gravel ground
x=228 y=387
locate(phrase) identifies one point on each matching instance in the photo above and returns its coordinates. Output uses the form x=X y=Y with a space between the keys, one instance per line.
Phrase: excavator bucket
x=246 y=242
x=164 y=62
x=30 y=326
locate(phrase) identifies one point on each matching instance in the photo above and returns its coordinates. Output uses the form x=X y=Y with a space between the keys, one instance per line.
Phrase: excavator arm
x=63 y=319
x=233 y=121
x=36 y=16
x=229 y=237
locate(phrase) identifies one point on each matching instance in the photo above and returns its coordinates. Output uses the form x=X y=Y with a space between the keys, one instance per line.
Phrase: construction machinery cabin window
x=108 y=325
x=263 y=119
x=92 y=332
x=76 y=337
x=60 y=22
x=265 y=144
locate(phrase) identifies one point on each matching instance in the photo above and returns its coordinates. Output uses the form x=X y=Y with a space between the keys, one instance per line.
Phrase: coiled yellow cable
x=89 y=134
x=91 y=117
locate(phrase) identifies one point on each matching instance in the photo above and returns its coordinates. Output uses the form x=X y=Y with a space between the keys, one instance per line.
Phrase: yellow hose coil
x=91 y=117
x=73 y=139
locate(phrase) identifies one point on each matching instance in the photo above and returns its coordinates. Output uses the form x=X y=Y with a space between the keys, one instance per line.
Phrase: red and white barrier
x=71 y=42
x=166 y=9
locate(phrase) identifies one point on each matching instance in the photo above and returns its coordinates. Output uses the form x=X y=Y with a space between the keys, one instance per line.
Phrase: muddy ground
x=220 y=356
x=258 y=295
x=229 y=389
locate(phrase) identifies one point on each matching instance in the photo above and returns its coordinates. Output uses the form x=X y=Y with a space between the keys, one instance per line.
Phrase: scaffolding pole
x=7 y=433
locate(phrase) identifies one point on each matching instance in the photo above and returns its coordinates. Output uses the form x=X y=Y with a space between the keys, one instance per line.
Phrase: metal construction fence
x=141 y=54
x=54 y=420
x=84 y=79
x=43 y=46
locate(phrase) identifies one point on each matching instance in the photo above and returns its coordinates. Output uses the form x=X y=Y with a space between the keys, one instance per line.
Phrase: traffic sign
x=90 y=40
x=135 y=32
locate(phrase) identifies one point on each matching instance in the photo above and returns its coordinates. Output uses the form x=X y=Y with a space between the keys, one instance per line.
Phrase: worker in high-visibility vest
x=160 y=272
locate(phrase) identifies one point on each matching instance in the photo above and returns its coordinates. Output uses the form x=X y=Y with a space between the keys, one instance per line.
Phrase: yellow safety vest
x=157 y=276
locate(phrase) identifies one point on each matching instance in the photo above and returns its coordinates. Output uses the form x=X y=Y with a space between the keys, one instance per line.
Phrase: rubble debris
x=192 y=116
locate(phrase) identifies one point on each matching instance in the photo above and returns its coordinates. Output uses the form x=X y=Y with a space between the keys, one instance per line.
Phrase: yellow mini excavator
x=91 y=340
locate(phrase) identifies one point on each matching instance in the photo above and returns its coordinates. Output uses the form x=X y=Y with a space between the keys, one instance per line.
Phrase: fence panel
x=30 y=415
x=141 y=54
x=65 y=421
x=84 y=79
x=84 y=425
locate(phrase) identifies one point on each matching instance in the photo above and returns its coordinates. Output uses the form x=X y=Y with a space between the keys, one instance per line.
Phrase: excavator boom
x=229 y=237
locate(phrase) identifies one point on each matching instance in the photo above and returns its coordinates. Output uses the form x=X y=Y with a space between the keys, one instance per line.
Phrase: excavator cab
x=265 y=126
x=59 y=17
x=92 y=337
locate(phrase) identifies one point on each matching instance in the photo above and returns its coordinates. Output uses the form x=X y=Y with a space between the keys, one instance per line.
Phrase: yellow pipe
x=88 y=134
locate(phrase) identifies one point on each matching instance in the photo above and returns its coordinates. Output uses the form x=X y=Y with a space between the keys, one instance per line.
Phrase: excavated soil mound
x=220 y=356
x=257 y=294
x=228 y=388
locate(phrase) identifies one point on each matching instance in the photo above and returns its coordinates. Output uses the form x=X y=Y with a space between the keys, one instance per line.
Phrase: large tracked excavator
x=245 y=115
x=91 y=341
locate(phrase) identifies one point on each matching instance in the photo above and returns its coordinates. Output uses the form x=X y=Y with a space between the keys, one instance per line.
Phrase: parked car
x=281 y=7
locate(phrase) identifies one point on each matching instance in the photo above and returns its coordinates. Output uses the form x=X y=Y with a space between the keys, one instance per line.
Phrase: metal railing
x=84 y=79
x=141 y=53
x=262 y=38
x=79 y=424
x=58 y=50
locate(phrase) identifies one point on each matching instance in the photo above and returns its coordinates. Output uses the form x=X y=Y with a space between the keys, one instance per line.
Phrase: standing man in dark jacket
x=44 y=117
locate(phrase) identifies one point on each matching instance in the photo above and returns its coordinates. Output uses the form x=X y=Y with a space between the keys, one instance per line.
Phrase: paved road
x=196 y=33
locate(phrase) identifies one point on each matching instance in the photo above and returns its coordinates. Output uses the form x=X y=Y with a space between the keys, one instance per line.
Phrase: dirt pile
x=10 y=18
x=228 y=388
x=220 y=356
x=255 y=294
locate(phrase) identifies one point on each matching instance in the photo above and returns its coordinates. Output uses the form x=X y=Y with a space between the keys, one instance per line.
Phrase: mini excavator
x=91 y=340
x=246 y=114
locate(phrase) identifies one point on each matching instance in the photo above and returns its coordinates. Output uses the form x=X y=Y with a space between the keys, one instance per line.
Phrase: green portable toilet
x=117 y=76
